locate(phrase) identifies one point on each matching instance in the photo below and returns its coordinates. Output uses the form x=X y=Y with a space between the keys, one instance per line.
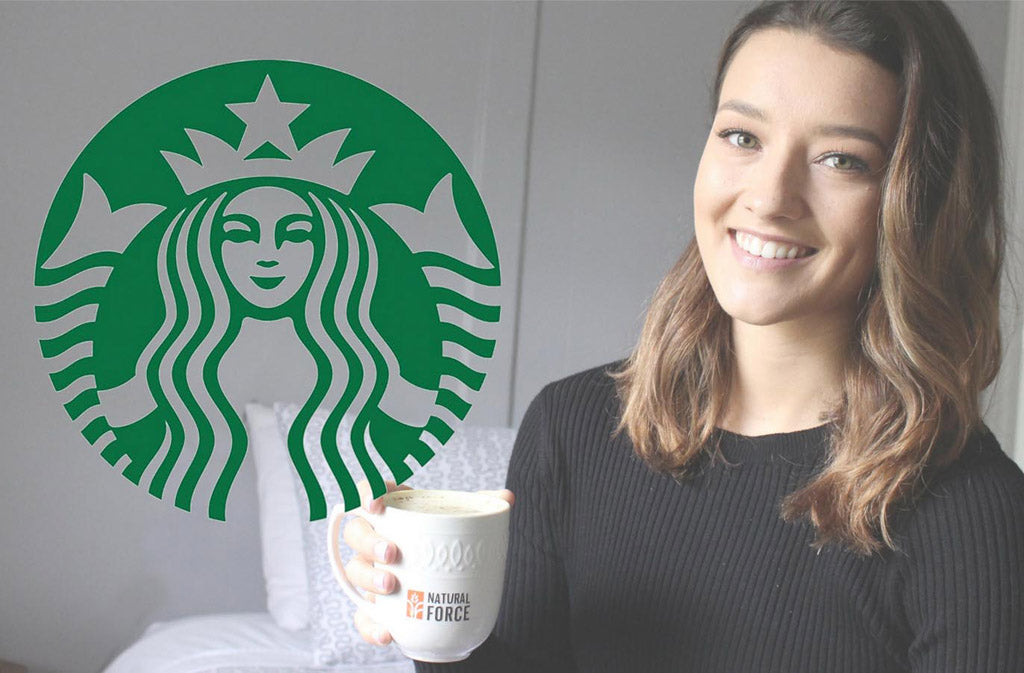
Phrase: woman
x=816 y=490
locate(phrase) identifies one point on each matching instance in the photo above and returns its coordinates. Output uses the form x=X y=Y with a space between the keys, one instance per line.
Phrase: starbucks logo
x=255 y=192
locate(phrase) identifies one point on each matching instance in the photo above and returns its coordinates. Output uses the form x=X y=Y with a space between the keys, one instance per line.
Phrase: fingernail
x=380 y=550
x=380 y=635
x=383 y=582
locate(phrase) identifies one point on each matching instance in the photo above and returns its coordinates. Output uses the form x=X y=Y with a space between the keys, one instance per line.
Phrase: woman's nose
x=775 y=188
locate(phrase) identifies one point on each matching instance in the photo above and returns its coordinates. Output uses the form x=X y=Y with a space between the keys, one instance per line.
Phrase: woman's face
x=267 y=245
x=787 y=191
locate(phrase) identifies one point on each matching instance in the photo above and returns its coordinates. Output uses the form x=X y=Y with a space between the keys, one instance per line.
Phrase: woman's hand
x=370 y=548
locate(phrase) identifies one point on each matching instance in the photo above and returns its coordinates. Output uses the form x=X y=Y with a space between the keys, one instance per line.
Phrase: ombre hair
x=926 y=339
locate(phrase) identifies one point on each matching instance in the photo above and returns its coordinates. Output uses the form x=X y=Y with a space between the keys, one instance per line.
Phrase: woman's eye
x=845 y=162
x=741 y=139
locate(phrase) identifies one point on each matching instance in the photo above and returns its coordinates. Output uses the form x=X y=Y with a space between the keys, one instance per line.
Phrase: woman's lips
x=752 y=261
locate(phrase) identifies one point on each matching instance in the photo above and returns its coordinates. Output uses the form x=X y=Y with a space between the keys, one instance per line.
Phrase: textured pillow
x=474 y=458
x=284 y=565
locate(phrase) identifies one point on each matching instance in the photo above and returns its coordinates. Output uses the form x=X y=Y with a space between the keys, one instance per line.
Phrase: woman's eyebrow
x=744 y=109
x=852 y=132
x=830 y=130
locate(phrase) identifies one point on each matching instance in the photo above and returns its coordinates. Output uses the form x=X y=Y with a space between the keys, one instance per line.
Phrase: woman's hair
x=927 y=333
x=201 y=320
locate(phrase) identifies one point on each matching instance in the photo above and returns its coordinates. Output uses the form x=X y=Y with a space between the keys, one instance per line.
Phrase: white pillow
x=284 y=564
x=474 y=458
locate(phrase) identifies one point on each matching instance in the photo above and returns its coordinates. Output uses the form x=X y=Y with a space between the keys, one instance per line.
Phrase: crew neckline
x=802 y=447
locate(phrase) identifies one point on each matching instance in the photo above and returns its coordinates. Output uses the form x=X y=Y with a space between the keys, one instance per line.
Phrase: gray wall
x=581 y=124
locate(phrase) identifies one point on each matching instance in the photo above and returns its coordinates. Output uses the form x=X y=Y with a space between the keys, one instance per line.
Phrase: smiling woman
x=865 y=136
x=816 y=490
x=794 y=165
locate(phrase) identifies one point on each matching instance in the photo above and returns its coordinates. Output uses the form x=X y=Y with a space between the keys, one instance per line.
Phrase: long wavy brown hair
x=927 y=334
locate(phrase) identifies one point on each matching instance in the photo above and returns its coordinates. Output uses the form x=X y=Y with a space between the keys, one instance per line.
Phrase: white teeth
x=754 y=245
x=768 y=249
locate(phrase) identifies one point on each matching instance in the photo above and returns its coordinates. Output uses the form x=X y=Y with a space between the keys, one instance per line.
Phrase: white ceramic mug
x=450 y=569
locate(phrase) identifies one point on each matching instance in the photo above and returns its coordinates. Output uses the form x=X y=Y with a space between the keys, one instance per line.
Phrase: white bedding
x=230 y=643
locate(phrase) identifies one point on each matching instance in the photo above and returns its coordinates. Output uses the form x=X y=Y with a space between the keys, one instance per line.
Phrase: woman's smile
x=796 y=153
x=765 y=253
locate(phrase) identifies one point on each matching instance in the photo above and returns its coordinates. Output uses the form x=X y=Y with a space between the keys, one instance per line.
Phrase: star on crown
x=267 y=149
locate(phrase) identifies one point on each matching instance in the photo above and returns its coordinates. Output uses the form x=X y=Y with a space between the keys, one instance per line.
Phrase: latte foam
x=449 y=503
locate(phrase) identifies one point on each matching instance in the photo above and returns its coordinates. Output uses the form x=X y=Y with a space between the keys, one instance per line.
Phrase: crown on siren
x=267 y=149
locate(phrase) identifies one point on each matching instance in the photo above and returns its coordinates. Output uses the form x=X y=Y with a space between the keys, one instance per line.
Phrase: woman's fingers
x=369 y=578
x=361 y=538
x=366 y=499
x=505 y=494
x=371 y=631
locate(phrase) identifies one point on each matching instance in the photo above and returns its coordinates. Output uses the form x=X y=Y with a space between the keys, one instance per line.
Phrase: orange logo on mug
x=414 y=604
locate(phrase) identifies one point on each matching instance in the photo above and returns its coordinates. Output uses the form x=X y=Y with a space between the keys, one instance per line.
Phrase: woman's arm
x=963 y=573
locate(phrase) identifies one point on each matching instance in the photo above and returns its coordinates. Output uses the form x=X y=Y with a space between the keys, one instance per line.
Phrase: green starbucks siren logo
x=275 y=194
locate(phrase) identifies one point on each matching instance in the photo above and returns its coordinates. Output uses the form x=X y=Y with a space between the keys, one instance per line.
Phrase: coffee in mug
x=450 y=569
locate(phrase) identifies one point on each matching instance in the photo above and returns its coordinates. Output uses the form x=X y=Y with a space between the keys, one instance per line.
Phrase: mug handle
x=333 y=528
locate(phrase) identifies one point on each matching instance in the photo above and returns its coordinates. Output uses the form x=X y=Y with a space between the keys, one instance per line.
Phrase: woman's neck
x=785 y=377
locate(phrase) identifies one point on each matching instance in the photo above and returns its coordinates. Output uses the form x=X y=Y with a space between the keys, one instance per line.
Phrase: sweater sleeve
x=964 y=570
x=532 y=632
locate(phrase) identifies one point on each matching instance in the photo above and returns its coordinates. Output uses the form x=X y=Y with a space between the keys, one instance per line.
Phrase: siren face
x=268 y=248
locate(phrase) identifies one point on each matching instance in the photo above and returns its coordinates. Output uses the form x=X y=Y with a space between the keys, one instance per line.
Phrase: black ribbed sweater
x=613 y=567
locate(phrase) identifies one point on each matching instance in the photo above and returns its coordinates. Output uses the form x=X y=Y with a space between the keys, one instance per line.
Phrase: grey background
x=582 y=125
